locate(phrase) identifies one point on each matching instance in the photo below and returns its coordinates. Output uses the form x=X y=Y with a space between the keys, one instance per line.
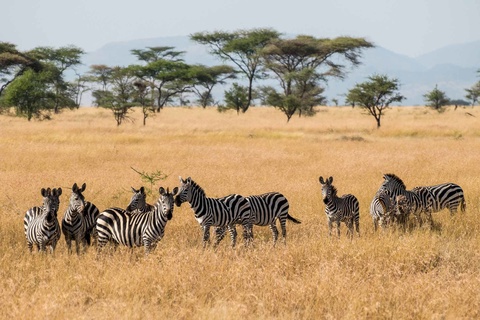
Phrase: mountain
x=464 y=55
x=453 y=68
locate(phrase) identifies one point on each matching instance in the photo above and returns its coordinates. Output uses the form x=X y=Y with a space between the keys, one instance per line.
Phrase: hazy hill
x=452 y=68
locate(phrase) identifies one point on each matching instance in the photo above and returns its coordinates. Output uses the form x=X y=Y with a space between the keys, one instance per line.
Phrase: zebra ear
x=84 y=185
x=142 y=189
x=330 y=180
x=59 y=192
x=75 y=187
x=161 y=190
x=44 y=192
x=321 y=180
x=174 y=191
x=189 y=180
x=133 y=190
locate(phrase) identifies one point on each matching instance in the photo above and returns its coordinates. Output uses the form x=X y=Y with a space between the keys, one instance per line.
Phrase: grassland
x=421 y=274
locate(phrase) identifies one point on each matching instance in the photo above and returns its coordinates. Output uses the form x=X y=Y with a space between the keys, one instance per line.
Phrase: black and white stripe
x=139 y=201
x=382 y=209
x=442 y=196
x=41 y=224
x=267 y=208
x=395 y=187
x=73 y=224
x=340 y=209
x=134 y=229
x=219 y=212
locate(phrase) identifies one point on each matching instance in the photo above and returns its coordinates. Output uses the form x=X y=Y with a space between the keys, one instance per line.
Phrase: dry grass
x=422 y=274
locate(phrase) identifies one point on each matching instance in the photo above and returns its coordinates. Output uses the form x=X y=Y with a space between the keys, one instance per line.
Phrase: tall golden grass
x=420 y=274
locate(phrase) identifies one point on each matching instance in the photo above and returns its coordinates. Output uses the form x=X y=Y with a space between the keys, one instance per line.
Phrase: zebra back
x=442 y=196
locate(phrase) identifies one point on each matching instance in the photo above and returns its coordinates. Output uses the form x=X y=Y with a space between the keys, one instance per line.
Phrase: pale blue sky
x=410 y=27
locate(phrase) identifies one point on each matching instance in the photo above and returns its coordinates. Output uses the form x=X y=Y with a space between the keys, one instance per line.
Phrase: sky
x=409 y=27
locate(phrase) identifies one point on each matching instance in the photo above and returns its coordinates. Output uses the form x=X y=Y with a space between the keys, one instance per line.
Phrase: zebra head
x=55 y=194
x=328 y=190
x=166 y=201
x=393 y=183
x=184 y=192
x=48 y=204
x=138 y=201
x=77 y=200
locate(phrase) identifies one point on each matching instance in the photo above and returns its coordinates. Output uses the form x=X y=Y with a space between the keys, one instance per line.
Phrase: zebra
x=337 y=209
x=139 y=201
x=396 y=187
x=136 y=228
x=79 y=219
x=265 y=210
x=441 y=196
x=218 y=212
x=381 y=209
x=41 y=224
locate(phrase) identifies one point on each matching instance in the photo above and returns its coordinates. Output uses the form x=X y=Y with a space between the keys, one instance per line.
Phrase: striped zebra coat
x=79 y=220
x=395 y=186
x=218 y=212
x=382 y=209
x=41 y=224
x=139 y=201
x=340 y=209
x=442 y=196
x=265 y=210
x=134 y=229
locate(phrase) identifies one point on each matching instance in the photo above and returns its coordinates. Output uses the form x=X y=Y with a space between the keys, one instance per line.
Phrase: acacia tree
x=207 y=78
x=302 y=63
x=436 y=99
x=29 y=95
x=165 y=72
x=243 y=48
x=58 y=61
x=375 y=95
x=14 y=63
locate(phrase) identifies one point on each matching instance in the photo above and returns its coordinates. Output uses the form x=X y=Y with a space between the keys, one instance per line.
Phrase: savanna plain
x=389 y=274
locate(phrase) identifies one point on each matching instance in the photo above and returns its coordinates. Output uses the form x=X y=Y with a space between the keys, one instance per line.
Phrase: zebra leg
x=219 y=234
x=338 y=228
x=274 y=229
x=233 y=234
x=375 y=224
x=206 y=236
x=284 y=230
x=329 y=227
x=30 y=246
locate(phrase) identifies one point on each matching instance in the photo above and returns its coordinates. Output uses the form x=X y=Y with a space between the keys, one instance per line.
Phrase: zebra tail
x=463 y=205
x=289 y=217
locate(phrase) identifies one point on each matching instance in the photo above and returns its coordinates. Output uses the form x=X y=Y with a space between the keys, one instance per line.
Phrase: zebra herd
x=141 y=224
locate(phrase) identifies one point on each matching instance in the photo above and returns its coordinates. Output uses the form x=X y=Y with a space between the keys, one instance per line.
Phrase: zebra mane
x=391 y=176
x=197 y=187
x=334 y=191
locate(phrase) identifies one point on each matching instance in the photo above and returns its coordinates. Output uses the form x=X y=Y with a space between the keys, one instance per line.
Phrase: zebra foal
x=136 y=228
x=41 y=224
x=340 y=209
x=217 y=212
